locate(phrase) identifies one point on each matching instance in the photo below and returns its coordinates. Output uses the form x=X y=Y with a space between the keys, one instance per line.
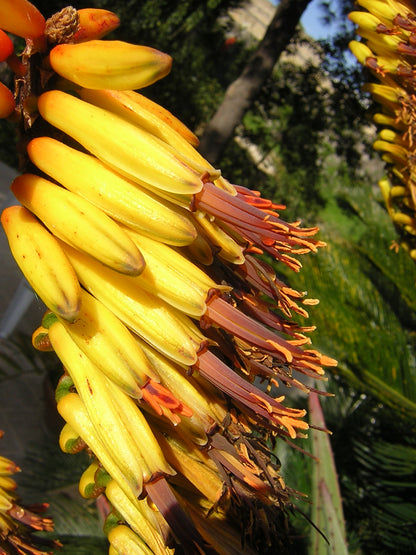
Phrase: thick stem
x=241 y=93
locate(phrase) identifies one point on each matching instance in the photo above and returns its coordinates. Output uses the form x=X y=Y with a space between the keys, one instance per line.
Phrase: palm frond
x=376 y=463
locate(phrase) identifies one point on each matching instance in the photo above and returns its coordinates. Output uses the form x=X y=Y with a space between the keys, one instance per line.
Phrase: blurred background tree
x=305 y=141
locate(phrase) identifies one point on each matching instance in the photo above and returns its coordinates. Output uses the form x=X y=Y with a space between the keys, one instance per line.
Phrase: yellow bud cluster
x=388 y=49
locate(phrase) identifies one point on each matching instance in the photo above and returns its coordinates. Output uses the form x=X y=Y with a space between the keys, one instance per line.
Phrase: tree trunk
x=241 y=93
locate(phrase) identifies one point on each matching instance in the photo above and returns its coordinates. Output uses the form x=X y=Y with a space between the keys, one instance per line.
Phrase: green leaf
x=84 y=545
x=327 y=513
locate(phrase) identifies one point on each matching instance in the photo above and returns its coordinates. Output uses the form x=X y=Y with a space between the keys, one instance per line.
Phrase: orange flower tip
x=239 y=470
x=290 y=424
x=251 y=249
x=300 y=341
x=21 y=18
x=274 y=382
x=310 y=302
x=292 y=432
x=327 y=361
x=262 y=401
x=94 y=23
x=6 y=46
x=40 y=340
x=7 y=103
x=404 y=23
x=281 y=349
x=301 y=424
x=163 y=402
x=407 y=49
x=318 y=371
x=30 y=518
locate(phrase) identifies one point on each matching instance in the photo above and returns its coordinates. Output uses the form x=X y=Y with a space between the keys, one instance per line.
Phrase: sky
x=312 y=21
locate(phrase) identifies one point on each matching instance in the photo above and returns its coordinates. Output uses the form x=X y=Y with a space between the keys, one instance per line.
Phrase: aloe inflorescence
x=164 y=312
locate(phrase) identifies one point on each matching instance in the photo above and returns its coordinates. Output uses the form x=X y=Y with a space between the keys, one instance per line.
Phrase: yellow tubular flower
x=161 y=309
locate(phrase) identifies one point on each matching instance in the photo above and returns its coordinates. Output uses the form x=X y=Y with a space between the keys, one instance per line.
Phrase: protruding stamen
x=30 y=518
x=263 y=229
x=231 y=319
x=163 y=402
x=269 y=411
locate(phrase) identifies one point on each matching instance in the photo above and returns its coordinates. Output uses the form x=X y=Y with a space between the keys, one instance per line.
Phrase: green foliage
x=303 y=125
x=363 y=319
x=389 y=472
x=375 y=455
x=366 y=320
x=52 y=475
x=285 y=124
